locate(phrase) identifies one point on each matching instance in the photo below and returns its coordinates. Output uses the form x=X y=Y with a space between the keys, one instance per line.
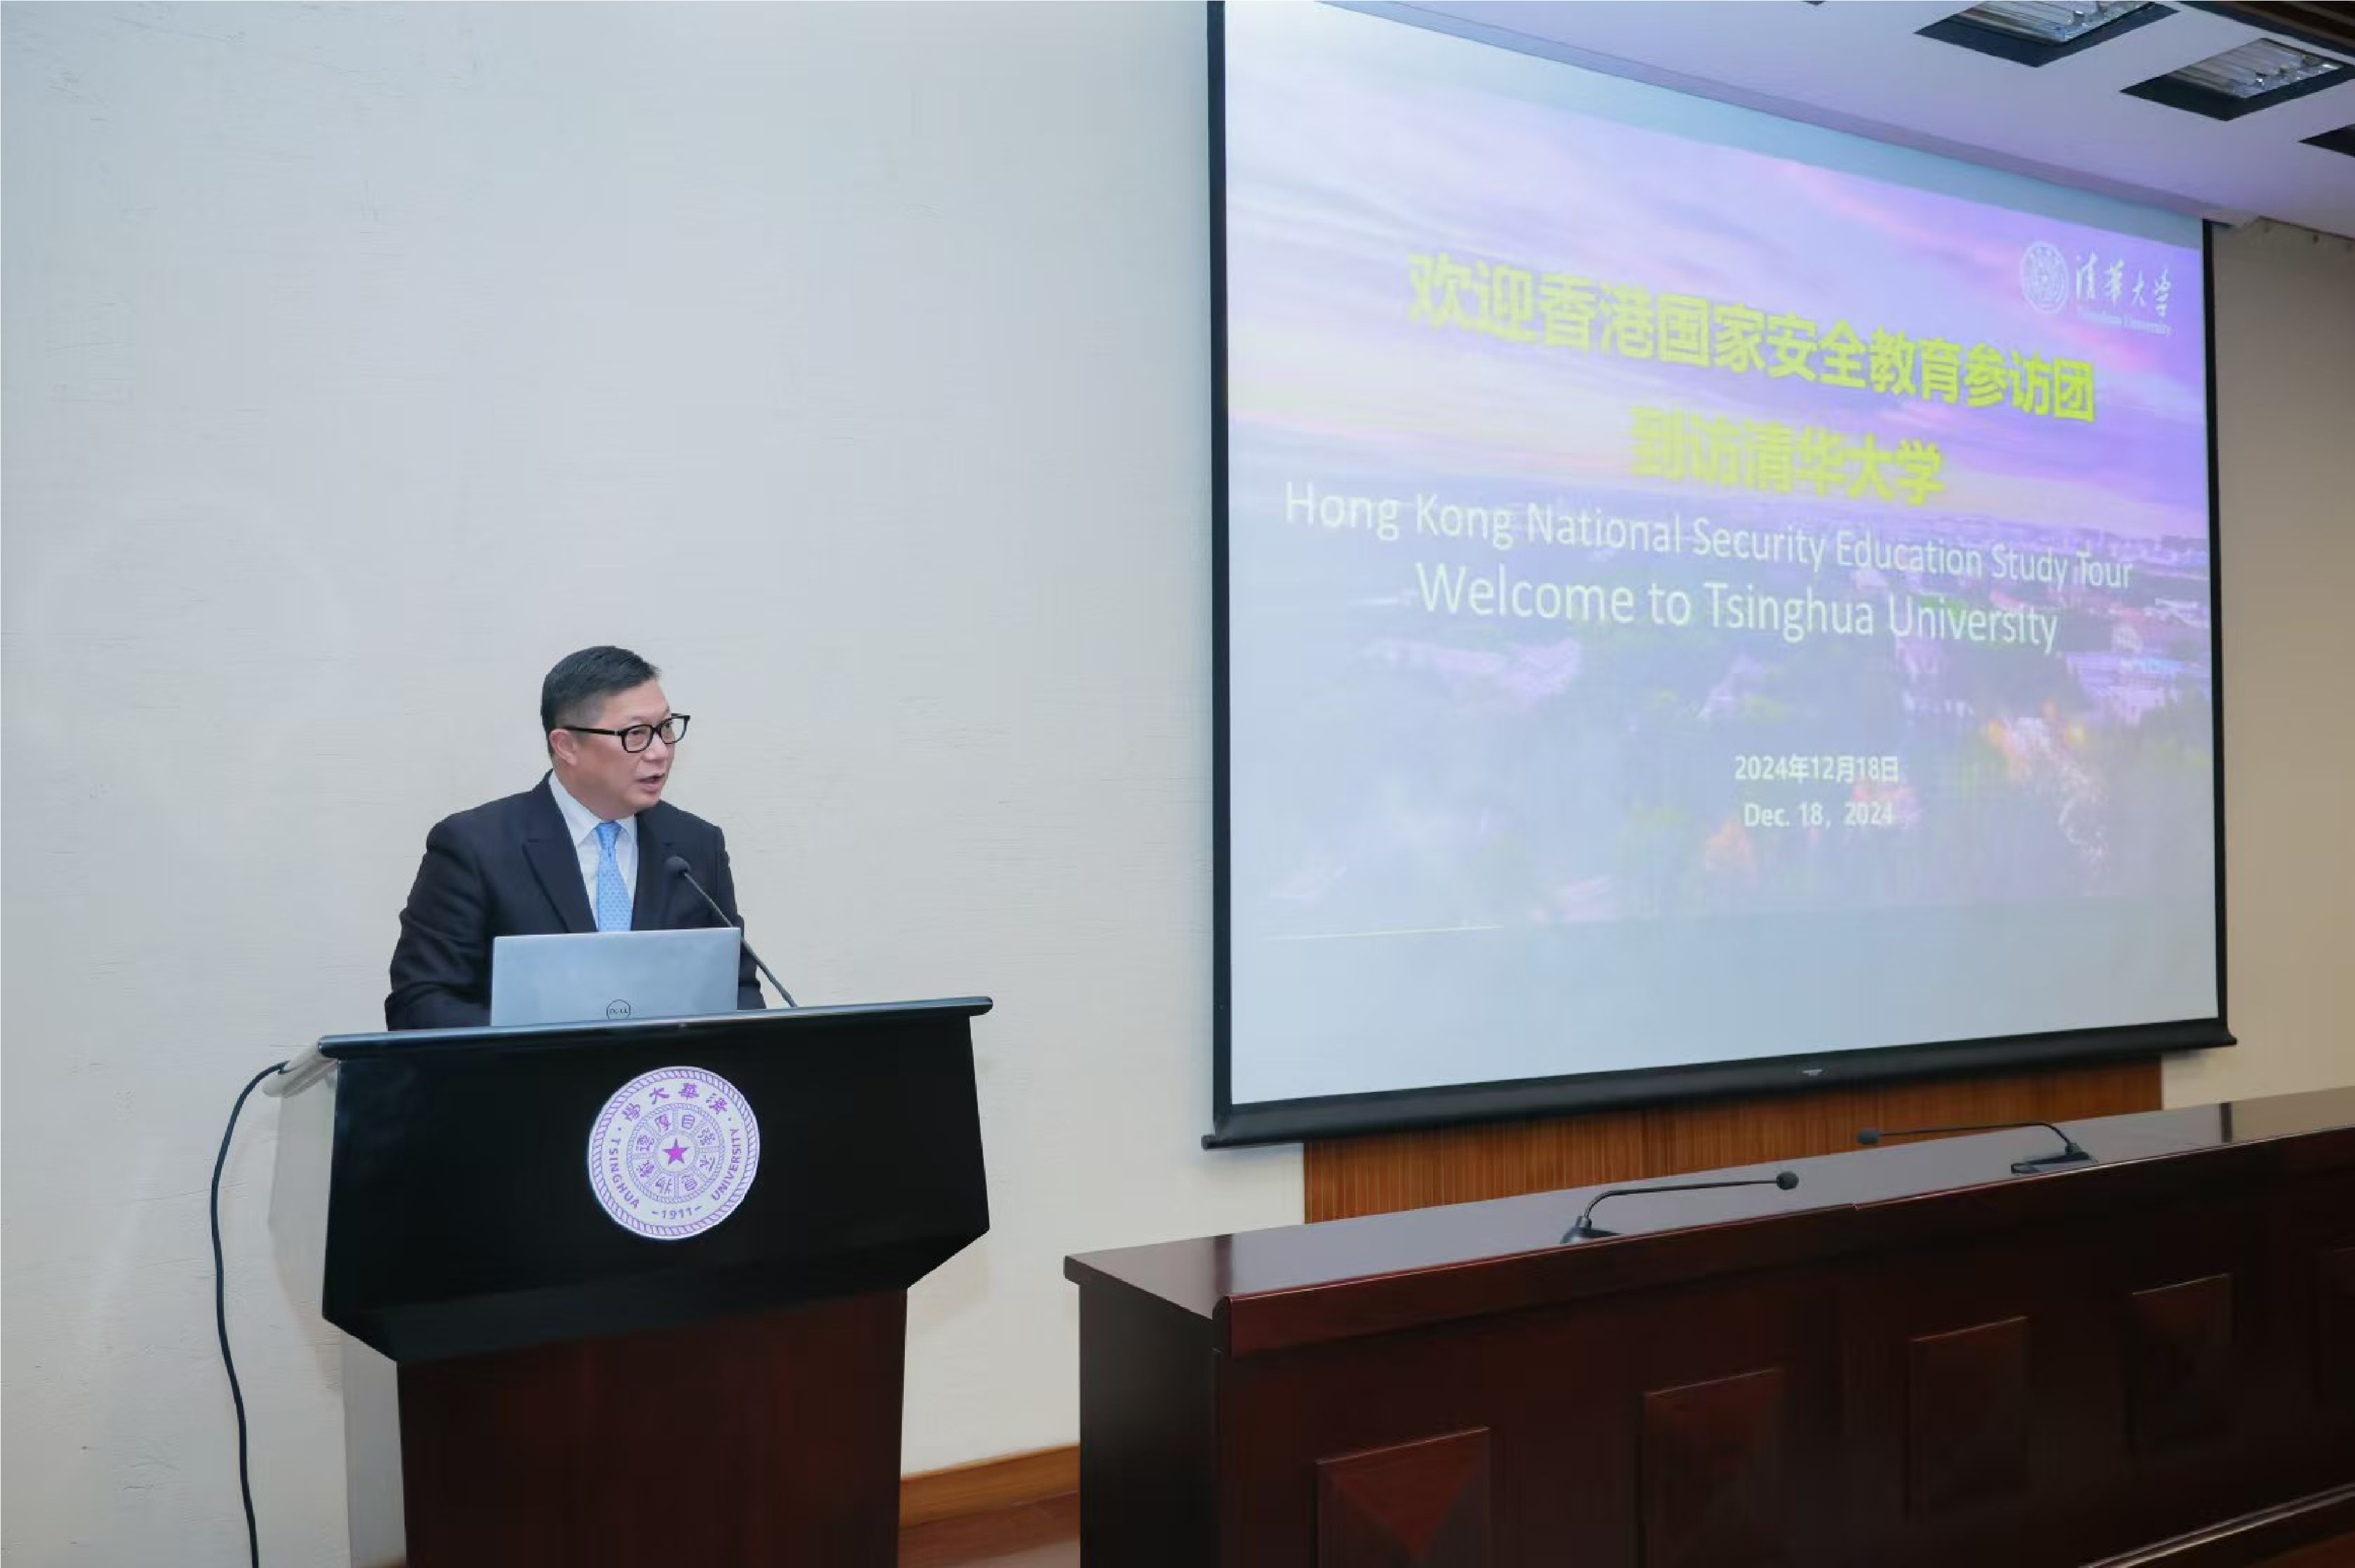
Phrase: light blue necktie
x=613 y=897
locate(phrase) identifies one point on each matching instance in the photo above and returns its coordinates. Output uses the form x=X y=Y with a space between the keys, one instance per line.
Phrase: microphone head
x=677 y=865
x=1868 y=1136
x=1786 y=1180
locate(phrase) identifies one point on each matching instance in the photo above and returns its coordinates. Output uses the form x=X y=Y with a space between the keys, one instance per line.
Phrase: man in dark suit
x=581 y=851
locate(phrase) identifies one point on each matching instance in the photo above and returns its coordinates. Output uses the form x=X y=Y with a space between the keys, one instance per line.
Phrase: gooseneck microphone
x=2069 y=1154
x=677 y=865
x=1585 y=1230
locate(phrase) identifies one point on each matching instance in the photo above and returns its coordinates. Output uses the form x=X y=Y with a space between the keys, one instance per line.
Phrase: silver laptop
x=614 y=976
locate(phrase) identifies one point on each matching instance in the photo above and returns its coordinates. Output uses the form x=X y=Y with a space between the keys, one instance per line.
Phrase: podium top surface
x=1260 y=1289
x=650 y=1030
x=491 y=1188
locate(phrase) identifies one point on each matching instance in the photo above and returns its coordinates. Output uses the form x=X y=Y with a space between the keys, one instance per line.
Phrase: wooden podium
x=646 y=1283
x=1915 y=1357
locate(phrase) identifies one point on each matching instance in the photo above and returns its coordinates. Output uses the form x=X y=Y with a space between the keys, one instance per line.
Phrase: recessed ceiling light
x=2050 y=24
x=2255 y=75
x=2038 y=34
x=2258 y=66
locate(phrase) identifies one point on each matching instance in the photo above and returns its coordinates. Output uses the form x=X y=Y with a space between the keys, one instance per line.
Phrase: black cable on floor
x=220 y=1315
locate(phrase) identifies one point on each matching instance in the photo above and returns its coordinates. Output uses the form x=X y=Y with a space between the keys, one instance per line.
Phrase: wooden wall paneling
x=1719 y=1133
x=2060 y=1094
x=1387 y=1171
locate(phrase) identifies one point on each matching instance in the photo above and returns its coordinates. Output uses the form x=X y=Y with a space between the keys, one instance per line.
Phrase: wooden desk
x=1916 y=1358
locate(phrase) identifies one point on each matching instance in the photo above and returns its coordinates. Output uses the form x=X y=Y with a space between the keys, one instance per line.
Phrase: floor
x=1034 y=1535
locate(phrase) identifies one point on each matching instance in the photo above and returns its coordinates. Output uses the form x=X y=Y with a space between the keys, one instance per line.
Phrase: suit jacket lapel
x=653 y=882
x=556 y=862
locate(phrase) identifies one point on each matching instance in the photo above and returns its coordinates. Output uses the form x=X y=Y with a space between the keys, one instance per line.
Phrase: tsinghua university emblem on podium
x=673 y=1154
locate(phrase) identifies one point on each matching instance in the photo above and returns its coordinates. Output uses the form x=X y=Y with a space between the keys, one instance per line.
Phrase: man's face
x=596 y=771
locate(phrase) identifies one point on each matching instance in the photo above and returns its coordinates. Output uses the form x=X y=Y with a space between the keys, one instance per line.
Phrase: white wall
x=849 y=361
x=2285 y=404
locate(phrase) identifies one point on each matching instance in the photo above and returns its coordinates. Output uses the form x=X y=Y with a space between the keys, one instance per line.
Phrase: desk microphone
x=2070 y=1154
x=677 y=866
x=1585 y=1230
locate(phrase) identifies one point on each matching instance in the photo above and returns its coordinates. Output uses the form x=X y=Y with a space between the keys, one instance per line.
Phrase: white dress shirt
x=582 y=823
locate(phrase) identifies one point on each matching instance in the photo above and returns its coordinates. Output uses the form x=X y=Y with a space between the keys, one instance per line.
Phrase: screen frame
x=1292 y=1120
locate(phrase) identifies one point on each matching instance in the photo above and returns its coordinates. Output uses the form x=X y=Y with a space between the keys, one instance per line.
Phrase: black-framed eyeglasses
x=638 y=737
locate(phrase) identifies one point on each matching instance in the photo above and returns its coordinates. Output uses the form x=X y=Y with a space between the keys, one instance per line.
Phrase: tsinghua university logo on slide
x=2119 y=285
x=673 y=1154
x=2044 y=276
